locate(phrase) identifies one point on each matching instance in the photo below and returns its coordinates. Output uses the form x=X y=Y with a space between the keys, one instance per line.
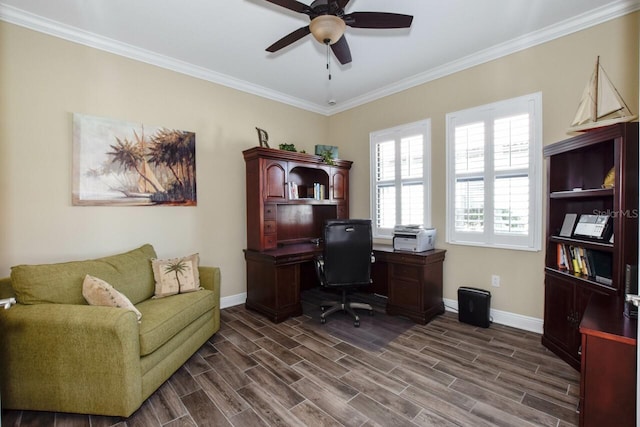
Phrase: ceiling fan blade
x=378 y=20
x=343 y=3
x=294 y=5
x=289 y=38
x=341 y=50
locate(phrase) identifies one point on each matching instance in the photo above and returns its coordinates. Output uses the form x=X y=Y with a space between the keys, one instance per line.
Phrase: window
x=400 y=181
x=494 y=177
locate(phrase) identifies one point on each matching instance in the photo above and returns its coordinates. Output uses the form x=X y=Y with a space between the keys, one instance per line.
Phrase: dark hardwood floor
x=388 y=372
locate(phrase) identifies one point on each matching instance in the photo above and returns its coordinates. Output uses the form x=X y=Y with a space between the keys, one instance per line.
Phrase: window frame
x=530 y=104
x=397 y=133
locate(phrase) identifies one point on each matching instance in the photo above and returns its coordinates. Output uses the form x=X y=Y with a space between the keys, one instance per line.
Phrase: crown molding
x=552 y=32
x=47 y=26
x=38 y=23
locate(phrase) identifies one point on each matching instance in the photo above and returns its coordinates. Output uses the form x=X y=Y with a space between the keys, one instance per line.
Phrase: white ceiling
x=224 y=41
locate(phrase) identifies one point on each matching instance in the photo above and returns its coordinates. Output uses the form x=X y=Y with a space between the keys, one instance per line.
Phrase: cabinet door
x=339 y=184
x=559 y=326
x=608 y=383
x=406 y=289
x=275 y=180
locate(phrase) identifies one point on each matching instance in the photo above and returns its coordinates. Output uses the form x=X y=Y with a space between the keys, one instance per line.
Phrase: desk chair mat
x=374 y=332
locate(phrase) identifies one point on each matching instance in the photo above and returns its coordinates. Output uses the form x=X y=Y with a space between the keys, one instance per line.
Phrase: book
x=560 y=257
x=292 y=189
x=630 y=288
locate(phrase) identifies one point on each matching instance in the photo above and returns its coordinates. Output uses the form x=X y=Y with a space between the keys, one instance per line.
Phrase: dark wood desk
x=608 y=369
x=411 y=281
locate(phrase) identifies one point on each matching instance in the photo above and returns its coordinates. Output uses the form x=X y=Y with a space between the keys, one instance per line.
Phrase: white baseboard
x=230 y=301
x=514 y=320
x=531 y=324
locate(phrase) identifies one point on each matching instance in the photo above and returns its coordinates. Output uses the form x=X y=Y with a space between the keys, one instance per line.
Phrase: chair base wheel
x=346 y=306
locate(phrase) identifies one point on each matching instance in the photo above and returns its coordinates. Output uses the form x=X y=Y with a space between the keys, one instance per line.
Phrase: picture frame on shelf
x=568 y=225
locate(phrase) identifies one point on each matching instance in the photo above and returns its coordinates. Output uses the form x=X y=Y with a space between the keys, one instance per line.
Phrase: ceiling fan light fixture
x=327 y=29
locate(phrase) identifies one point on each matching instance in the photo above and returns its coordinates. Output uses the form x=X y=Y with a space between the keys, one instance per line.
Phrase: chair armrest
x=318 y=262
x=60 y=355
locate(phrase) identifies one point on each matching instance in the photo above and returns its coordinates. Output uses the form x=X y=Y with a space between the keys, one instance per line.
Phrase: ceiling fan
x=328 y=23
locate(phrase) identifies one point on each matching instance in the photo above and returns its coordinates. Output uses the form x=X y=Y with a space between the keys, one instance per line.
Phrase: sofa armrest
x=210 y=279
x=6 y=291
x=69 y=358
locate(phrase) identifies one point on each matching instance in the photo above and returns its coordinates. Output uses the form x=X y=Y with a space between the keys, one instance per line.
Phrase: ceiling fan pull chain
x=328 y=60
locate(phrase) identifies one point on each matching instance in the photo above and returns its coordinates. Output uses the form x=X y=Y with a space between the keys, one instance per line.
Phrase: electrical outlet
x=495 y=280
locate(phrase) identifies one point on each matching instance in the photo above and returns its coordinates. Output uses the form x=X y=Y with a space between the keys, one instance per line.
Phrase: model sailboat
x=601 y=104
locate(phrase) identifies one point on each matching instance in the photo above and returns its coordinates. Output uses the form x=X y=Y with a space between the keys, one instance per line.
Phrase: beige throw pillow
x=98 y=292
x=176 y=275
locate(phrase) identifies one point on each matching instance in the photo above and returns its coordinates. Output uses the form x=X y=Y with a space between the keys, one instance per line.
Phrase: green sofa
x=59 y=354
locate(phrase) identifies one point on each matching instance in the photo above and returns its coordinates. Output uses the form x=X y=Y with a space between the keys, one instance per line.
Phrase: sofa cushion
x=176 y=275
x=129 y=273
x=163 y=318
x=98 y=292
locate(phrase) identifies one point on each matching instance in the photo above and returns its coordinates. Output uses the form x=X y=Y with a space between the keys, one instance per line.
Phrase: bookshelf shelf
x=309 y=201
x=586 y=281
x=576 y=168
x=587 y=244
x=578 y=194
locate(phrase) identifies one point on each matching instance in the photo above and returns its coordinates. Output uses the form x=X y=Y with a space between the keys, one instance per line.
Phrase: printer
x=413 y=238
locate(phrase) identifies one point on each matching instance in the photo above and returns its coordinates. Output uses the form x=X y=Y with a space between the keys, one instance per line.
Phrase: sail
x=145 y=185
x=600 y=104
x=147 y=182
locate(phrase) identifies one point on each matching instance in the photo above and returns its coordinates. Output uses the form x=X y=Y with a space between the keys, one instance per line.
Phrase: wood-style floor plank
x=388 y=372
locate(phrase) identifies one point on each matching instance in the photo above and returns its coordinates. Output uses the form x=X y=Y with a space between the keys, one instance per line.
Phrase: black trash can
x=474 y=306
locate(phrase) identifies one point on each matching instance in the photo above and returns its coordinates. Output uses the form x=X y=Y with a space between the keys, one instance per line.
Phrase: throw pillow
x=98 y=292
x=176 y=275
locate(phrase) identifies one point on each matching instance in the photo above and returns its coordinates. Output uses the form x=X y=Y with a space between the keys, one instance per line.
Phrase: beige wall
x=559 y=69
x=43 y=80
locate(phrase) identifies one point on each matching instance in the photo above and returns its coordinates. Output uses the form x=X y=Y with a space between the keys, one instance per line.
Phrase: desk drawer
x=270 y=241
x=269 y=211
x=405 y=272
x=270 y=227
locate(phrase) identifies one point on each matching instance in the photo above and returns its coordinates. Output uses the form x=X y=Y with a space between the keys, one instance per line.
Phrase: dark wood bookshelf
x=576 y=168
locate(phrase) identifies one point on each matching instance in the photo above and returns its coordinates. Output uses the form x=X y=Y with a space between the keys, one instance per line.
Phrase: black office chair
x=345 y=263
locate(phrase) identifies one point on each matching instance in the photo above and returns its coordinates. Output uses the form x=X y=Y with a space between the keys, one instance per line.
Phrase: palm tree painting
x=116 y=163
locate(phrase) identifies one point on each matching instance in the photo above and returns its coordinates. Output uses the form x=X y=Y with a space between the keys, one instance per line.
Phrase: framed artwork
x=116 y=163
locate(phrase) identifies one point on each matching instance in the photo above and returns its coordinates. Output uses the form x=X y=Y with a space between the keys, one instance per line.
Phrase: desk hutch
x=289 y=197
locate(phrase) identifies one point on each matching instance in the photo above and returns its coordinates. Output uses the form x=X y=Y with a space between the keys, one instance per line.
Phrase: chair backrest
x=347 y=252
